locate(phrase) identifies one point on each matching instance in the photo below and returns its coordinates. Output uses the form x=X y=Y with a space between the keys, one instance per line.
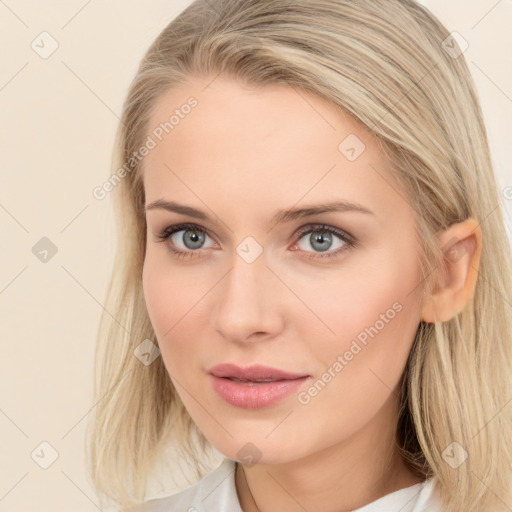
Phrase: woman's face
x=333 y=296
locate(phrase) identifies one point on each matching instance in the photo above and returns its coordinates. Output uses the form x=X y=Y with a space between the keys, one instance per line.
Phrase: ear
x=461 y=245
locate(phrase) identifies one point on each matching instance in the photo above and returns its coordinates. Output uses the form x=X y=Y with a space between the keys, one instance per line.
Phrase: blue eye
x=193 y=237
x=321 y=238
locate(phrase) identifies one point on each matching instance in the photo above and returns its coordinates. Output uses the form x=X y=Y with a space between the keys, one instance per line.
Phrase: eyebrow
x=281 y=216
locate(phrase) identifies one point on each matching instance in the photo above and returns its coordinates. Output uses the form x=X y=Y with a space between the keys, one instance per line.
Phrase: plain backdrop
x=58 y=119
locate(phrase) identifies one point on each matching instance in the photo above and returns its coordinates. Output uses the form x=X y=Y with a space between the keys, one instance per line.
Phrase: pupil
x=321 y=239
x=193 y=238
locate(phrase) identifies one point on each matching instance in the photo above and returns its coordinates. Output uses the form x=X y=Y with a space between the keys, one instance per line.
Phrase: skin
x=240 y=155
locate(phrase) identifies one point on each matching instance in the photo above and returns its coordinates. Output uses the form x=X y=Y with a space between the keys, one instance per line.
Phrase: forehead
x=273 y=143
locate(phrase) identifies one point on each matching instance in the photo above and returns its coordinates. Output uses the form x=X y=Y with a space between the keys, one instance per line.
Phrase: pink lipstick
x=255 y=386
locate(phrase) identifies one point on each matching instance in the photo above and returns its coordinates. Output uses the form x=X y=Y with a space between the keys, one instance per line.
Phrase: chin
x=257 y=451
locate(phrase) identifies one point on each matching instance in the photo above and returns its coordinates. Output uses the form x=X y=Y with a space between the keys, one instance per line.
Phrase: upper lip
x=253 y=372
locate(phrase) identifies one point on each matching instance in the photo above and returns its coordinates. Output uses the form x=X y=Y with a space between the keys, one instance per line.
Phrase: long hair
x=393 y=66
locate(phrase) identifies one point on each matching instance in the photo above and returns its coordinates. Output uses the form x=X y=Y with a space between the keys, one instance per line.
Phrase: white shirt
x=216 y=492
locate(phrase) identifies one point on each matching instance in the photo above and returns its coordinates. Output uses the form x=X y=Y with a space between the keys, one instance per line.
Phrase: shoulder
x=215 y=492
x=428 y=498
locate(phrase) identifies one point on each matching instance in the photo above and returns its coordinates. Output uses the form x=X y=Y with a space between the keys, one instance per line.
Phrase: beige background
x=58 y=120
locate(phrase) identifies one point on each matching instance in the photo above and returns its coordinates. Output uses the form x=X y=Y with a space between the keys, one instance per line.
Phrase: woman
x=313 y=275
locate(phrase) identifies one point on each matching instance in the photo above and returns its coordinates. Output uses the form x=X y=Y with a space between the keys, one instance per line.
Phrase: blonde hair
x=384 y=62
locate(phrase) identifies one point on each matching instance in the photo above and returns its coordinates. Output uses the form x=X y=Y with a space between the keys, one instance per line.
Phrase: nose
x=248 y=302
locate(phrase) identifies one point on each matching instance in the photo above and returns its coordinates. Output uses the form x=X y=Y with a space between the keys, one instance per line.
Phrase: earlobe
x=461 y=245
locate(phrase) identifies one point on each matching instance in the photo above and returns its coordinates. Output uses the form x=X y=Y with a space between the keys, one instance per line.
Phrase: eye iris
x=194 y=237
x=321 y=239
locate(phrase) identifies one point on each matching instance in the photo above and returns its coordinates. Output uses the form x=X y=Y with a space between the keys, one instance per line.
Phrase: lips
x=253 y=373
x=256 y=386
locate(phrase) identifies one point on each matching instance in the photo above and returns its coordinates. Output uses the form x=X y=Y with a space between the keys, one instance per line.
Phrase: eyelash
x=347 y=239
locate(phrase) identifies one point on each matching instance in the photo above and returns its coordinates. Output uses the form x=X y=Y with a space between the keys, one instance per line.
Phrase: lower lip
x=255 y=395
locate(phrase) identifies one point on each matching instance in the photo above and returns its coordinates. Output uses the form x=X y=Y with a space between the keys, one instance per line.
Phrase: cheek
x=174 y=298
x=356 y=370
x=165 y=298
x=369 y=314
x=156 y=293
